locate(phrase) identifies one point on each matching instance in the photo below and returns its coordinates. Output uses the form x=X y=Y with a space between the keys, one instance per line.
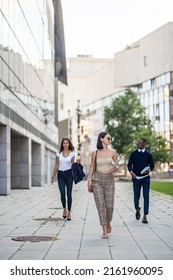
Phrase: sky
x=104 y=27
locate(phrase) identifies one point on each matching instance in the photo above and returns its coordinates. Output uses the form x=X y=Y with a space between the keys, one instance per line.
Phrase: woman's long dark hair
x=99 y=142
x=71 y=147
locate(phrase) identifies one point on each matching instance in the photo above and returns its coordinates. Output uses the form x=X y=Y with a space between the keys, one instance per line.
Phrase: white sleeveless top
x=65 y=162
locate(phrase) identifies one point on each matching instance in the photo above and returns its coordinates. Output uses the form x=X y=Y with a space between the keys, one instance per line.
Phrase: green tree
x=157 y=145
x=124 y=119
x=127 y=121
x=159 y=149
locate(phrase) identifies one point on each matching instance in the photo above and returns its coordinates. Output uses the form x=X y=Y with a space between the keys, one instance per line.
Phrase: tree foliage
x=126 y=121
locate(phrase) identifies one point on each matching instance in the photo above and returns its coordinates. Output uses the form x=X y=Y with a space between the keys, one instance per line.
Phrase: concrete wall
x=145 y=59
x=88 y=79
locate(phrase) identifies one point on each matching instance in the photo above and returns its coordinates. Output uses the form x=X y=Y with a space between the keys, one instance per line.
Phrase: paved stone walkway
x=38 y=212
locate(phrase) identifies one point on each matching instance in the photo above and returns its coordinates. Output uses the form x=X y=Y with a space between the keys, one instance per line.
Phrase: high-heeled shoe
x=68 y=217
x=64 y=214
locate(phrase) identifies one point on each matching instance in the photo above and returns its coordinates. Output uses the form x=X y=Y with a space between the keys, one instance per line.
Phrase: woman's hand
x=52 y=180
x=115 y=168
x=90 y=188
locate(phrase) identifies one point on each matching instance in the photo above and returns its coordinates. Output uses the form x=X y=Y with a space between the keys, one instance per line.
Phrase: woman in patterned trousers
x=101 y=180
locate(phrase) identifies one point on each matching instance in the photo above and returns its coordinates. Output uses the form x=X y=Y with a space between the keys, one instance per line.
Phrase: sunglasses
x=109 y=138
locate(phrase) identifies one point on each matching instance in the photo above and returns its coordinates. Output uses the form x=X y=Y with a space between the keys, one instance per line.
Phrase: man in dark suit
x=139 y=165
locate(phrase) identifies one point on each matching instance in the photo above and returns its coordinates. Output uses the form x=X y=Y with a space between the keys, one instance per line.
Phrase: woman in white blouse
x=64 y=159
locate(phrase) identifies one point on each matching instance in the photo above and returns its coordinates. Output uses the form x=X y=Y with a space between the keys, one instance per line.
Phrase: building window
x=156 y=109
x=153 y=83
x=61 y=101
x=145 y=60
x=171 y=77
x=168 y=78
x=171 y=91
x=171 y=110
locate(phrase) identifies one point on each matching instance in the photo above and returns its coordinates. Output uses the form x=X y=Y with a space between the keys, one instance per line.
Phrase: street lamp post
x=69 y=126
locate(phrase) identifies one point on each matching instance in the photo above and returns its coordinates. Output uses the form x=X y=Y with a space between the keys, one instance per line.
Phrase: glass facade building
x=156 y=96
x=26 y=42
x=28 y=134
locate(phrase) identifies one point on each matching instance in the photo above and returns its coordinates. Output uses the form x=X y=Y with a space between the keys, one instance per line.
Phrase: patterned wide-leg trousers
x=104 y=191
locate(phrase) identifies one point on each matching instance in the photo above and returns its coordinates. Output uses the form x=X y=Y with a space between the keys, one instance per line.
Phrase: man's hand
x=133 y=175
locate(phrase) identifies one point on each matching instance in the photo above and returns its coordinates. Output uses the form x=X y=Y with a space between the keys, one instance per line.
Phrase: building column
x=5 y=168
x=42 y=164
x=36 y=165
x=50 y=166
x=21 y=163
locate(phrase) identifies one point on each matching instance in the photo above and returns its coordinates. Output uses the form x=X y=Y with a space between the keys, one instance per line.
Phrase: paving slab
x=38 y=212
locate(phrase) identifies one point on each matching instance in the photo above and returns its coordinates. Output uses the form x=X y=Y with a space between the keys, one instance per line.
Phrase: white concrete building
x=147 y=67
x=84 y=72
